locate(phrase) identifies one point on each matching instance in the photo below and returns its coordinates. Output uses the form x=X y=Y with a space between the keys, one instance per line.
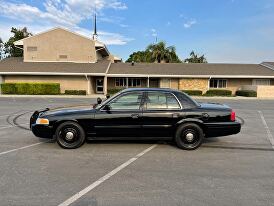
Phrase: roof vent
x=132 y=63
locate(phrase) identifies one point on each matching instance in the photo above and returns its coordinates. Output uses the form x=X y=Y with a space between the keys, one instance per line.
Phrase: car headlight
x=42 y=121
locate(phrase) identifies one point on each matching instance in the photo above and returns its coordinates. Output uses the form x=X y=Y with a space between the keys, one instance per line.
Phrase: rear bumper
x=42 y=131
x=222 y=129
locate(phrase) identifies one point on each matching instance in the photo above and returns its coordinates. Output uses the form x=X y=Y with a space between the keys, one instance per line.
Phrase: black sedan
x=138 y=114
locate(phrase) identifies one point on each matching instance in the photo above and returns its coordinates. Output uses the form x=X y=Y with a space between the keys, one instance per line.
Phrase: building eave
x=52 y=74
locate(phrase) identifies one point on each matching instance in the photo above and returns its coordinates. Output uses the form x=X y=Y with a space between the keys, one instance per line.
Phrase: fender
x=182 y=121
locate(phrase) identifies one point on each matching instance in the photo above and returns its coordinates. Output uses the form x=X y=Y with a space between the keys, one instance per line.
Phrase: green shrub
x=31 y=88
x=246 y=93
x=193 y=92
x=76 y=92
x=114 y=91
x=218 y=92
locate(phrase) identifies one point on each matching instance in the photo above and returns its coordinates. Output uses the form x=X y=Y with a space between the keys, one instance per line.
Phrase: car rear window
x=186 y=101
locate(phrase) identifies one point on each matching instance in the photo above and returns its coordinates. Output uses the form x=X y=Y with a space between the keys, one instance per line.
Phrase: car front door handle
x=135 y=116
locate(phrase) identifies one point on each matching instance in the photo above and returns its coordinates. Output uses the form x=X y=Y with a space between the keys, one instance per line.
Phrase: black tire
x=185 y=133
x=70 y=135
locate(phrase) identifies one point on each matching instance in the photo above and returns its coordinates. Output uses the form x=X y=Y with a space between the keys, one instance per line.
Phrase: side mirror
x=99 y=100
x=107 y=107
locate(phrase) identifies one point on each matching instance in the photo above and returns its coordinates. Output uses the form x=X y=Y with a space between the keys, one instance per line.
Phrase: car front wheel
x=189 y=136
x=70 y=135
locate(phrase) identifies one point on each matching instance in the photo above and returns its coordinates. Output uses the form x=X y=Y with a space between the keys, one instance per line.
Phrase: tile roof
x=191 y=69
x=16 y=64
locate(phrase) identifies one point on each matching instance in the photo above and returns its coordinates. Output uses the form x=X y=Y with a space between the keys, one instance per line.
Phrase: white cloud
x=66 y=13
x=190 y=23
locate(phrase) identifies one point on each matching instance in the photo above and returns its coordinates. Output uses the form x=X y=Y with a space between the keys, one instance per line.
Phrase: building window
x=120 y=82
x=132 y=82
x=31 y=48
x=261 y=82
x=218 y=83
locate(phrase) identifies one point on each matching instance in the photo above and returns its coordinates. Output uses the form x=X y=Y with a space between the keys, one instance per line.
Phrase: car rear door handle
x=135 y=116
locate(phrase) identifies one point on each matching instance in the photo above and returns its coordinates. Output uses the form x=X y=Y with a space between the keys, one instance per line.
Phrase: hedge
x=246 y=93
x=76 y=92
x=218 y=92
x=114 y=91
x=193 y=92
x=31 y=88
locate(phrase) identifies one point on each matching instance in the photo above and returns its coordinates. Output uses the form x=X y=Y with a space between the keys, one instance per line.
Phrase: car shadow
x=215 y=143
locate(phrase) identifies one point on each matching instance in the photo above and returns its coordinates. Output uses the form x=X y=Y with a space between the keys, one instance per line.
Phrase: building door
x=165 y=83
x=99 y=85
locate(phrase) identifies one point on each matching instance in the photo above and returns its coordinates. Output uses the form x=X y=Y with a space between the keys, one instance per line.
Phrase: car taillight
x=233 y=116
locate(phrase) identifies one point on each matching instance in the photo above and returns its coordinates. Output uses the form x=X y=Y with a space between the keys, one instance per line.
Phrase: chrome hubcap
x=69 y=135
x=189 y=137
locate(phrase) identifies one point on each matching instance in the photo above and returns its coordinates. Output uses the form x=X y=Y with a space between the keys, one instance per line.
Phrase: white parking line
x=20 y=148
x=104 y=178
x=269 y=135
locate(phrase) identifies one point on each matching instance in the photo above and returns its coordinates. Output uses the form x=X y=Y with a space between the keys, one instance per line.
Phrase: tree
x=194 y=58
x=1 y=49
x=18 y=34
x=140 y=56
x=158 y=53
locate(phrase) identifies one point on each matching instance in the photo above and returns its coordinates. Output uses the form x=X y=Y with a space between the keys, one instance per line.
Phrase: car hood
x=214 y=106
x=67 y=110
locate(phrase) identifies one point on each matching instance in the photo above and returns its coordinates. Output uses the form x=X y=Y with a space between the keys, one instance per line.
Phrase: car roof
x=150 y=89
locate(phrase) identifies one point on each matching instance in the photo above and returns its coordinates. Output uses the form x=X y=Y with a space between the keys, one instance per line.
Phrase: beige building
x=81 y=63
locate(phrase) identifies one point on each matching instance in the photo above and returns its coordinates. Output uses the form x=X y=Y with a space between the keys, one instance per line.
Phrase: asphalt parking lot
x=234 y=170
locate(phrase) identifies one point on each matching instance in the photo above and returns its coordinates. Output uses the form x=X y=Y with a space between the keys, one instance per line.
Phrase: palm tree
x=194 y=58
x=160 y=53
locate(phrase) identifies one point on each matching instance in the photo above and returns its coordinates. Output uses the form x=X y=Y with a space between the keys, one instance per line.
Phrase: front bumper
x=222 y=129
x=42 y=131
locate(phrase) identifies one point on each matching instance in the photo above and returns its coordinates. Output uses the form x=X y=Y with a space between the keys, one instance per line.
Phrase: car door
x=162 y=111
x=121 y=117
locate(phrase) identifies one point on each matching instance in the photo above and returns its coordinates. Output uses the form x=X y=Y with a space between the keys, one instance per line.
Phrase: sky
x=225 y=31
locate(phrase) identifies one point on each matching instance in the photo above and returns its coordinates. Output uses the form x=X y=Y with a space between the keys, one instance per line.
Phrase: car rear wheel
x=189 y=136
x=70 y=135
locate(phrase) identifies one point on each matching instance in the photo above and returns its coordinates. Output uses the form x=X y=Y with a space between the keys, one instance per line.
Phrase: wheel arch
x=199 y=122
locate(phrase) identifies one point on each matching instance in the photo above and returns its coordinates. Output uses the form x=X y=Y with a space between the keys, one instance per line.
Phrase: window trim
x=218 y=83
x=126 y=82
x=145 y=105
x=120 y=95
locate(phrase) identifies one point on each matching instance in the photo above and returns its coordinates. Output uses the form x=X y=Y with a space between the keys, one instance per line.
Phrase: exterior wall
x=52 y=44
x=236 y=84
x=174 y=84
x=265 y=91
x=193 y=84
x=249 y=87
x=66 y=82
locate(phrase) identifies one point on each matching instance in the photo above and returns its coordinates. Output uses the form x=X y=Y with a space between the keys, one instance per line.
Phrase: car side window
x=130 y=101
x=186 y=101
x=160 y=100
